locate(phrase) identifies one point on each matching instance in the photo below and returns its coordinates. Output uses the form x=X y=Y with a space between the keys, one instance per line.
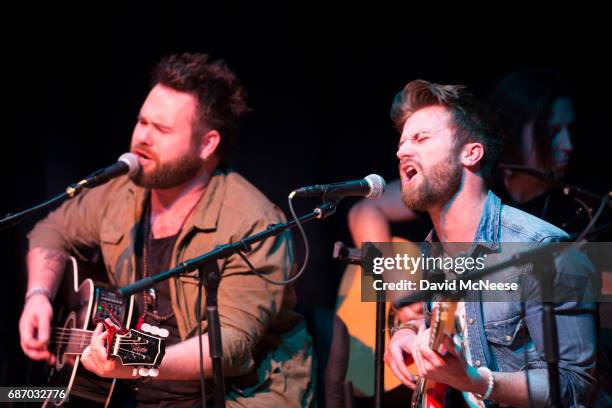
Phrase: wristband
x=38 y=291
x=402 y=326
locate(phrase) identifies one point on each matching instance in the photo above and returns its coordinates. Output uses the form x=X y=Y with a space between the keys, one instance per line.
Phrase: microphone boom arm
x=127 y=163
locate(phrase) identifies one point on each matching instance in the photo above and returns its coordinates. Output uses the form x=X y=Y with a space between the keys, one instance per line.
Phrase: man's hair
x=221 y=99
x=524 y=96
x=472 y=121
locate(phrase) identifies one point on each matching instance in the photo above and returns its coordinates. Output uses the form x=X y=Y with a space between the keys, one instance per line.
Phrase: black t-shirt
x=163 y=392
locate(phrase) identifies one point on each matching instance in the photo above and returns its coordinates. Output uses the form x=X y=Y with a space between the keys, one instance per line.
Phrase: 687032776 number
x=31 y=394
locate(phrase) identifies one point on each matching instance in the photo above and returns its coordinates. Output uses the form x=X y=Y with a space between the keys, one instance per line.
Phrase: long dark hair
x=524 y=96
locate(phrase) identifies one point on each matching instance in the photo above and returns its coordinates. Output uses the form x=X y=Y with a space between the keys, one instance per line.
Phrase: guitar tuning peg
x=146 y=327
x=155 y=330
x=143 y=372
x=163 y=333
x=153 y=372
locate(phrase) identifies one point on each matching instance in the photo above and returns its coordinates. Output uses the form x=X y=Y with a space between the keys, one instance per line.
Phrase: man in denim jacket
x=447 y=150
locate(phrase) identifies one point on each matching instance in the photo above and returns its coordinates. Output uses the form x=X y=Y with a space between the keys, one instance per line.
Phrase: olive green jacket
x=267 y=353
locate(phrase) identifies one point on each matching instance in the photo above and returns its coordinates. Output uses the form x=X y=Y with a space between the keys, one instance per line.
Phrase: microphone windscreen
x=132 y=162
x=377 y=186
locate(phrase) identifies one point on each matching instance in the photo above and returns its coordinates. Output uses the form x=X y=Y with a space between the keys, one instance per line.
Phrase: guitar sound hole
x=64 y=343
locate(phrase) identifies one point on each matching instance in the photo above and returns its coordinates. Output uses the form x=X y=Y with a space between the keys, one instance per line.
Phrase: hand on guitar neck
x=446 y=365
x=433 y=357
x=95 y=357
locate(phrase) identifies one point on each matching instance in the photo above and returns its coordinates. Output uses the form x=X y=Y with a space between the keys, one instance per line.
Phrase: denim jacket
x=502 y=340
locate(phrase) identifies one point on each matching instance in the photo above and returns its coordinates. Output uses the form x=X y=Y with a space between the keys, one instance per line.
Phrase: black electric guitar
x=82 y=307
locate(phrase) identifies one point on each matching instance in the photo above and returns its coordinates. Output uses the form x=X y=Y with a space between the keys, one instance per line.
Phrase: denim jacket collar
x=488 y=231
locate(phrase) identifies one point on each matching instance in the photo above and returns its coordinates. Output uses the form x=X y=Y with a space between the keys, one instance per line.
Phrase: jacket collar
x=488 y=230
x=207 y=210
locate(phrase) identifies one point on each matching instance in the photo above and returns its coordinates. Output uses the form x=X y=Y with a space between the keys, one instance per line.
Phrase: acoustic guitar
x=81 y=308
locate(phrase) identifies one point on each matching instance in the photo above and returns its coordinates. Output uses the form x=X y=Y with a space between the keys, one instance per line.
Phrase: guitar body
x=80 y=305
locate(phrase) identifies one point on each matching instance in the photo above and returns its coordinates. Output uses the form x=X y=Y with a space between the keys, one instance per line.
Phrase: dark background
x=320 y=84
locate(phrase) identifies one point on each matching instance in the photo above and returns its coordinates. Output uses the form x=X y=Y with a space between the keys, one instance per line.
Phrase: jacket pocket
x=504 y=332
x=510 y=343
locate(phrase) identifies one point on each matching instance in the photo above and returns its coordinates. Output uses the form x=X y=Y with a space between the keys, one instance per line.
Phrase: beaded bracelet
x=490 y=385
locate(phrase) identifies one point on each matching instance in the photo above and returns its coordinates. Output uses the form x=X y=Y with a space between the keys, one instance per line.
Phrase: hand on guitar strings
x=35 y=329
x=398 y=352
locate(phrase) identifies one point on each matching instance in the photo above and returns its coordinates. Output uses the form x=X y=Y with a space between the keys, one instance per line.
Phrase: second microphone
x=372 y=186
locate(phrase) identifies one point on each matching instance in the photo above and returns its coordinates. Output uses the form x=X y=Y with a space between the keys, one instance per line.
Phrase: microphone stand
x=14 y=219
x=210 y=278
x=71 y=191
x=353 y=256
x=379 y=351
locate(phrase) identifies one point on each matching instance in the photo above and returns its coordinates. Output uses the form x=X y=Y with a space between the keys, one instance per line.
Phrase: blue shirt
x=500 y=338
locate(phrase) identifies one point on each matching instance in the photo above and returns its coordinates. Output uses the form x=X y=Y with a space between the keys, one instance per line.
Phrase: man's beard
x=437 y=187
x=170 y=174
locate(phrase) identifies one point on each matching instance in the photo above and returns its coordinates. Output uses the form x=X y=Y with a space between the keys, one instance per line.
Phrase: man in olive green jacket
x=181 y=205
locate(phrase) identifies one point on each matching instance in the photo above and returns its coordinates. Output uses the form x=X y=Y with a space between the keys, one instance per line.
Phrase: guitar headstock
x=145 y=347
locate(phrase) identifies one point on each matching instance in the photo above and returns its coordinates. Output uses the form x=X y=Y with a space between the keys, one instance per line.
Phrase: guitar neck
x=132 y=348
x=427 y=392
x=443 y=323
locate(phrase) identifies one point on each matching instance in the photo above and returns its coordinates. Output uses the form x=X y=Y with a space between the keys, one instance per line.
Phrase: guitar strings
x=62 y=333
x=76 y=338
x=85 y=340
x=71 y=329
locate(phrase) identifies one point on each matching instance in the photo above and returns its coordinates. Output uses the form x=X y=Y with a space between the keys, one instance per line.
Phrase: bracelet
x=490 y=385
x=406 y=325
x=38 y=291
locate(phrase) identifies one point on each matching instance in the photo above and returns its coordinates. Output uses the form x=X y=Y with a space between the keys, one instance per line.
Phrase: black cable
x=306 y=256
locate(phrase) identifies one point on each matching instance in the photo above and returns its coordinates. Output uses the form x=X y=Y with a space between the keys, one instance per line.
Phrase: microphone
x=371 y=187
x=127 y=163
